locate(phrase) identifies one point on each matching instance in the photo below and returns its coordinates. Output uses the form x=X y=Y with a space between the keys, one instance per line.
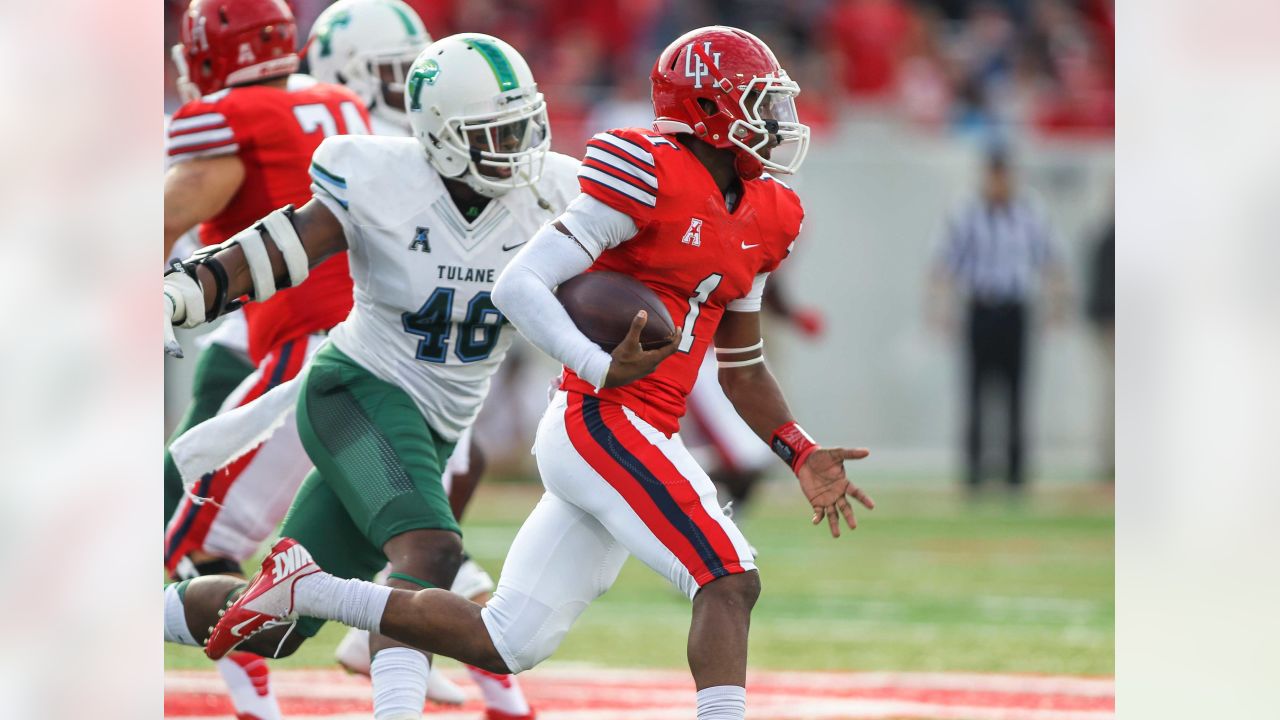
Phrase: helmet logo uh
x=694 y=67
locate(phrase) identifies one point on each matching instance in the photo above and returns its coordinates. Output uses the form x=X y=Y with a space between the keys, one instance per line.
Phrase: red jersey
x=274 y=132
x=694 y=253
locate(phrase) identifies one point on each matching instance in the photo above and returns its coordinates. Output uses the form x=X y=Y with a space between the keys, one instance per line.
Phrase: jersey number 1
x=700 y=295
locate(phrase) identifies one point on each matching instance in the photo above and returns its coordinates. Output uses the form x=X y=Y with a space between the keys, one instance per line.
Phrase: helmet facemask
x=386 y=75
x=769 y=128
x=504 y=151
x=187 y=89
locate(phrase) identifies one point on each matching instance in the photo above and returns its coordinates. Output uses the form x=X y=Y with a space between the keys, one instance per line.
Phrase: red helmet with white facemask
x=232 y=42
x=724 y=86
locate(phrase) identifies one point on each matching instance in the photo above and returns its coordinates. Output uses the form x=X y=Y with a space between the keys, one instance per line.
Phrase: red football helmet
x=232 y=42
x=724 y=86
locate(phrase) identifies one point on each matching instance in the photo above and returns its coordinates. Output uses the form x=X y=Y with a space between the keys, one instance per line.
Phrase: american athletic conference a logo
x=420 y=241
x=693 y=65
x=693 y=236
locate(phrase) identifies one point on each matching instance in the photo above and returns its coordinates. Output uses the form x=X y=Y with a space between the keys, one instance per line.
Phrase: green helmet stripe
x=503 y=72
x=404 y=18
x=324 y=33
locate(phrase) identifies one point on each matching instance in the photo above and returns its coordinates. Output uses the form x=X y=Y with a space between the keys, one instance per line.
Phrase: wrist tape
x=791 y=443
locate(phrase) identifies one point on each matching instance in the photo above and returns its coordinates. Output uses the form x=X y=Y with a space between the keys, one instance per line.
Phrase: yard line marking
x=569 y=692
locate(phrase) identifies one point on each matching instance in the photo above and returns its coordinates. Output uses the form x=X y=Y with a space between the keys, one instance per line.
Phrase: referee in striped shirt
x=995 y=251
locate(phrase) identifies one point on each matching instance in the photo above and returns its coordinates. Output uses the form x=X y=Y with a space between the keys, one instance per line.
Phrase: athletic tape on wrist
x=791 y=443
x=220 y=281
x=254 y=247
x=279 y=224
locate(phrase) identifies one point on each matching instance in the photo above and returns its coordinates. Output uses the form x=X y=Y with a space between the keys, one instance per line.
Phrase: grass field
x=929 y=582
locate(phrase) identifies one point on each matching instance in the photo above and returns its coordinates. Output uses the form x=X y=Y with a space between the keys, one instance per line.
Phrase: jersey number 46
x=477 y=333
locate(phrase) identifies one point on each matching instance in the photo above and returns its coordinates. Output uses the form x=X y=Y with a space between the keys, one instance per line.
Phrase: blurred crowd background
x=948 y=66
x=906 y=99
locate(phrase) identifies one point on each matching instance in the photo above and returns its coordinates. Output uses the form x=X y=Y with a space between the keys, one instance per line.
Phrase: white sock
x=175 y=618
x=399 y=676
x=501 y=692
x=355 y=603
x=247 y=682
x=722 y=702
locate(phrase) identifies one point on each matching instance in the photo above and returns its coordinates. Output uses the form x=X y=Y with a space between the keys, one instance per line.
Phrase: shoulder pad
x=560 y=179
x=330 y=165
x=200 y=129
x=621 y=170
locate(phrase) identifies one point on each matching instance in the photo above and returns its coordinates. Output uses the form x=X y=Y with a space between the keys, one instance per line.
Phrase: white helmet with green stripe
x=475 y=108
x=368 y=45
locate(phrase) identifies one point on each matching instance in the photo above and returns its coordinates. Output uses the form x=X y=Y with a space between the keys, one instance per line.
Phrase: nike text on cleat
x=267 y=602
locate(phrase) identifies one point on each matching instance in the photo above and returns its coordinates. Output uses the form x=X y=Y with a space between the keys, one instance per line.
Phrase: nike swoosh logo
x=748 y=247
x=235 y=631
x=506 y=248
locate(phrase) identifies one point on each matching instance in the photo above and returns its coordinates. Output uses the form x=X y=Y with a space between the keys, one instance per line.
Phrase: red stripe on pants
x=636 y=497
x=675 y=482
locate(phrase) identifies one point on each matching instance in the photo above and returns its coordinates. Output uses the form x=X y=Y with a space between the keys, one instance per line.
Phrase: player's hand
x=631 y=361
x=171 y=346
x=810 y=322
x=823 y=482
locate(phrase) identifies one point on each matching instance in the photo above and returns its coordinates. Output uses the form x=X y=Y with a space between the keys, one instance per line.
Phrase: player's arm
x=275 y=253
x=196 y=190
x=559 y=251
x=755 y=394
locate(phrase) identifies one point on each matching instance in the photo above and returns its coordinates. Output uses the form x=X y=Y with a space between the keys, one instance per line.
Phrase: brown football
x=602 y=305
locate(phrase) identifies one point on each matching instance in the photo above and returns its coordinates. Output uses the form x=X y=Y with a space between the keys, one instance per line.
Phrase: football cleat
x=268 y=600
x=443 y=691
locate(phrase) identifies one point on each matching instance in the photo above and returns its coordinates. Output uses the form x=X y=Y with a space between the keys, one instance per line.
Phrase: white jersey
x=423 y=274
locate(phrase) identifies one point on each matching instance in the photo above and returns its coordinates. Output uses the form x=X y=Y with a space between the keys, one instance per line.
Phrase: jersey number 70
x=478 y=331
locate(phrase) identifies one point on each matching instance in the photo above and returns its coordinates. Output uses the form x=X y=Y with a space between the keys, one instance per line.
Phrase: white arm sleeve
x=751 y=302
x=524 y=295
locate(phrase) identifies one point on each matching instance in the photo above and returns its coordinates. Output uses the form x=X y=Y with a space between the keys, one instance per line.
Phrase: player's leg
x=318 y=518
x=220 y=528
x=977 y=347
x=385 y=463
x=1014 y=367
x=248 y=498
x=463 y=472
x=503 y=696
x=560 y=561
x=651 y=495
x=219 y=370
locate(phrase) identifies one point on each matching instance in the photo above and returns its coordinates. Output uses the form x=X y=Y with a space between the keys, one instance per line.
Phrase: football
x=602 y=305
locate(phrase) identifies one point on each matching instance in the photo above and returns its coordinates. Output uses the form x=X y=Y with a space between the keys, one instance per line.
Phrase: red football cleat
x=266 y=602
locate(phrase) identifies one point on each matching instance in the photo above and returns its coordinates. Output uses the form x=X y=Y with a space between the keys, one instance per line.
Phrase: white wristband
x=749 y=348
x=741 y=363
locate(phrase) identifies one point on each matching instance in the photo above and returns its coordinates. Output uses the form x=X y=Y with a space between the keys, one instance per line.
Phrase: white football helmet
x=368 y=45
x=475 y=108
